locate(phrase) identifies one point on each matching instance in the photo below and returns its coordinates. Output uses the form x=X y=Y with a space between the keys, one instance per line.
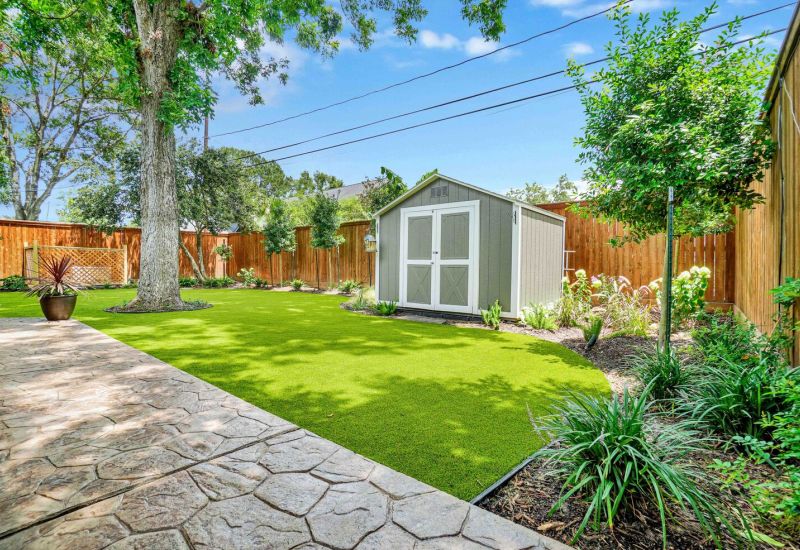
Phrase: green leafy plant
x=349 y=286
x=362 y=300
x=260 y=283
x=297 y=284
x=248 y=276
x=186 y=282
x=13 y=282
x=785 y=296
x=218 y=282
x=575 y=302
x=54 y=282
x=611 y=453
x=539 y=317
x=661 y=371
x=386 y=308
x=224 y=251
x=591 y=330
x=132 y=283
x=279 y=232
x=688 y=293
x=491 y=316
x=732 y=397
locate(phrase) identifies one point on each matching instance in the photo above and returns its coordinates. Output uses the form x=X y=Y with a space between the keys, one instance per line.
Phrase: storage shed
x=449 y=246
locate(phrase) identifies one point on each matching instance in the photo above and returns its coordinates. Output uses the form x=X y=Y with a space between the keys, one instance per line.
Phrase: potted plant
x=56 y=296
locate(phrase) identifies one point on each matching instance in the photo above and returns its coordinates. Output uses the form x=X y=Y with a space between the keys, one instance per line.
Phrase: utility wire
x=467 y=113
x=428 y=74
x=482 y=93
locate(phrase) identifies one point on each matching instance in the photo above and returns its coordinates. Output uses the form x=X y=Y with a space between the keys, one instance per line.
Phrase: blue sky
x=532 y=141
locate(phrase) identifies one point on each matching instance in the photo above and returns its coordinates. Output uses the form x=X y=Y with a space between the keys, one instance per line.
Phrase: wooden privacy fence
x=586 y=238
x=587 y=248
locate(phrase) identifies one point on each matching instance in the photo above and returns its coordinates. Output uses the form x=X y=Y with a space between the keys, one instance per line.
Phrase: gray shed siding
x=494 y=248
x=542 y=253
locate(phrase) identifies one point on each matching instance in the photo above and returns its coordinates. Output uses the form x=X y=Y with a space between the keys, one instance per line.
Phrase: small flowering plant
x=688 y=293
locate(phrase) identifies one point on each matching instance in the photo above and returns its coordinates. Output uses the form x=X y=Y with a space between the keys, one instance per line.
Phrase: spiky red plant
x=55 y=281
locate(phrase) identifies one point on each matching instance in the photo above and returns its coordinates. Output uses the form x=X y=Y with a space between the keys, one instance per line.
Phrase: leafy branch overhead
x=672 y=111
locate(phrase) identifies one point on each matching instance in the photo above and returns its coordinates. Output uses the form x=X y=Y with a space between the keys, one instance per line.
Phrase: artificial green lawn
x=443 y=404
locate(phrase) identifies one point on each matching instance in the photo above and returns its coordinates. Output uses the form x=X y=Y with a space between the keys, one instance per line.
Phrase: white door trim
x=435 y=211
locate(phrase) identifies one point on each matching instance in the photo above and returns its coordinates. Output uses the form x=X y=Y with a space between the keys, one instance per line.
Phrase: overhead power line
x=462 y=114
x=481 y=93
x=428 y=74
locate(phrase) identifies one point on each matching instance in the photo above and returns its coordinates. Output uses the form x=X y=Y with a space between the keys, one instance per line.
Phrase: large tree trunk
x=158 y=276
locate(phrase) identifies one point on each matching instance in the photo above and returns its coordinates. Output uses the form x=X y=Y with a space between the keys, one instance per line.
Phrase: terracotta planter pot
x=58 y=308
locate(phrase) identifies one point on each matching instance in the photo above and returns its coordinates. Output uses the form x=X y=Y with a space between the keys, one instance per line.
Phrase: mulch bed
x=184 y=306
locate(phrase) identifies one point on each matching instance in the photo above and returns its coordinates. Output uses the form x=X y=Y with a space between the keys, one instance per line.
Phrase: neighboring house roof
x=433 y=177
x=346 y=191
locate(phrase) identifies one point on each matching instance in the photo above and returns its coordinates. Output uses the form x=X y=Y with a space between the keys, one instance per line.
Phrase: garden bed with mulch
x=528 y=497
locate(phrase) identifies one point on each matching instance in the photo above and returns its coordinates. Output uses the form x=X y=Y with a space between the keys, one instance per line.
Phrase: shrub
x=248 y=276
x=260 y=283
x=13 y=282
x=661 y=371
x=611 y=453
x=386 y=308
x=297 y=284
x=349 y=286
x=363 y=299
x=132 y=283
x=591 y=330
x=688 y=293
x=785 y=296
x=539 y=316
x=721 y=338
x=732 y=397
x=187 y=281
x=218 y=282
x=491 y=316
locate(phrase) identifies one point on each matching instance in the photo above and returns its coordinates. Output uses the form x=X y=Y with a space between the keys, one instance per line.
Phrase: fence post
x=35 y=259
x=124 y=265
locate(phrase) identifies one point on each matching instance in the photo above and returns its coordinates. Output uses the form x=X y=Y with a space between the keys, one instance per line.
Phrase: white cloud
x=473 y=46
x=444 y=41
x=478 y=46
x=575 y=49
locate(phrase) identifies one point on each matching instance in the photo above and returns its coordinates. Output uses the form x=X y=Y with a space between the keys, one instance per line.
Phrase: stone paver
x=103 y=446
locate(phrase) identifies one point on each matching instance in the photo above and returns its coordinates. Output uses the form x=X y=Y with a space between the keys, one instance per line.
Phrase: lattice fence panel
x=89 y=266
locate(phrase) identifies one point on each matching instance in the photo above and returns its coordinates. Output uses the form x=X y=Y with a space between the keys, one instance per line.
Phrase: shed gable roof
x=433 y=177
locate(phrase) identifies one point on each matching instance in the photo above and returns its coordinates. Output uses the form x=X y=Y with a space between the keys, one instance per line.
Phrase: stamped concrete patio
x=102 y=445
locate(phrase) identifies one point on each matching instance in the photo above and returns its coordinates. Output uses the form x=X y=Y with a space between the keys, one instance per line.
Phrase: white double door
x=439 y=249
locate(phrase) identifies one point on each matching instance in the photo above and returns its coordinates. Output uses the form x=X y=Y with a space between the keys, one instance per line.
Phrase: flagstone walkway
x=102 y=445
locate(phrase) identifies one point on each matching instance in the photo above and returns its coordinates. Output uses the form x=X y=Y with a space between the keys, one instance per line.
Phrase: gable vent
x=440 y=191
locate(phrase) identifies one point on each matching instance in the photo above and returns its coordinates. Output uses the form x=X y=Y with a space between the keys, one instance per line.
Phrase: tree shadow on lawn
x=458 y=436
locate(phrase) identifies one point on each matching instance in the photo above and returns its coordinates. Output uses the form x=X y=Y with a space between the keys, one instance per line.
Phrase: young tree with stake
x=279 y=235
x=161 y=51
x=669 y=111
x=324 y=225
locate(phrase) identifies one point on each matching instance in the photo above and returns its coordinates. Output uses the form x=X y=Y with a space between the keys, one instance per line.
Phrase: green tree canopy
x=380 y=191
x=59 y=115
x=536 y=193
x=672 y=111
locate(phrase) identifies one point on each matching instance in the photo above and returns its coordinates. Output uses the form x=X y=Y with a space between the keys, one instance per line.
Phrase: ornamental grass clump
x=618 y=456
x=662 y=371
